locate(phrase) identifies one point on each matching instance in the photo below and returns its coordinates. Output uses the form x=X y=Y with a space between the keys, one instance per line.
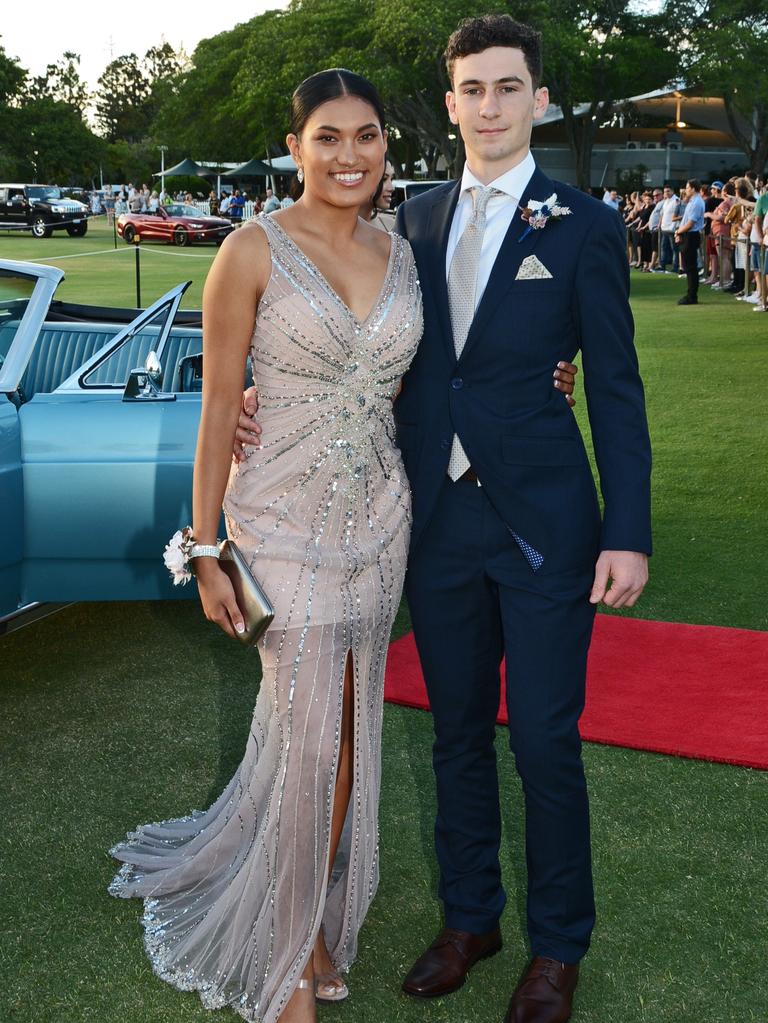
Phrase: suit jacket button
x=457 y=383
x=445 y=443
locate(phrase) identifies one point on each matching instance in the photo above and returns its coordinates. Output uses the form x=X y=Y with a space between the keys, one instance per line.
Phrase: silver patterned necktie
x=462 y=295
x=462 y=298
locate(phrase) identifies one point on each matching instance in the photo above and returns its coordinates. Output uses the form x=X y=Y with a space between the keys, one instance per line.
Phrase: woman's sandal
x=329 y=987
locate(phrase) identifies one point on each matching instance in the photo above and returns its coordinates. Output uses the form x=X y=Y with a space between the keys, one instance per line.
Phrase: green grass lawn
x=112 y=715
x=101 y=274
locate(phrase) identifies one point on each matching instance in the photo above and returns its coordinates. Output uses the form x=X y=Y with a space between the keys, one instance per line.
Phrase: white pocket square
x=532 y=269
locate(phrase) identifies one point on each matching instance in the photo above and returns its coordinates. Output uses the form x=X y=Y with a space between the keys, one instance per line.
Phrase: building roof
x=695 y=108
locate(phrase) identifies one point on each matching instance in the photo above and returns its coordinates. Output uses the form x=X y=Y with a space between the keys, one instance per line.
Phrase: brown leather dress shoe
x=545 y=993
x=444 y=966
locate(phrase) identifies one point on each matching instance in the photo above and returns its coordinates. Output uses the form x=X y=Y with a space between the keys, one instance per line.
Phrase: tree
x=130 y=161
x=121 y=99
x=12 y=78
x=233 y=101
x=599 y=53
x=283 y=48
x=49 y=142
x=43 y=135
x=200 y=113
x=162 y=67
x=726 y=53
x=62 y=81
x=132 y=90
x=409 y=42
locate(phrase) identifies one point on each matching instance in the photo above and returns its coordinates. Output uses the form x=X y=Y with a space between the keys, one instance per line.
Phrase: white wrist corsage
x=181 y=549
x=176 y=556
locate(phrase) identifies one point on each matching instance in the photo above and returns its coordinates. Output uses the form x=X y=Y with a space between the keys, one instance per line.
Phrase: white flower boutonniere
x=536 y=214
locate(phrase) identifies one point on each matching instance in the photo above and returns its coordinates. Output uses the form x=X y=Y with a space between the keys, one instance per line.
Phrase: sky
x=103 y=32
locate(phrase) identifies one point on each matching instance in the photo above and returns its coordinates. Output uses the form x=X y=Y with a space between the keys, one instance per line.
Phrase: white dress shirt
x=669 y=212
x=499 y=213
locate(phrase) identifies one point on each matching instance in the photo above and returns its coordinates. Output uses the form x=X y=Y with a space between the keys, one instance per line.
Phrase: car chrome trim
x=48 y=279
x=27 y=615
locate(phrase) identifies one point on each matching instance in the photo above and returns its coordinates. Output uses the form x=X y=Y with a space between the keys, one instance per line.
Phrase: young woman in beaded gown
x=256 y=903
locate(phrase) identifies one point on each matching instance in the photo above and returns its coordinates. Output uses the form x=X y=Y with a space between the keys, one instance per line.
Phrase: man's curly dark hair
x=477 y=34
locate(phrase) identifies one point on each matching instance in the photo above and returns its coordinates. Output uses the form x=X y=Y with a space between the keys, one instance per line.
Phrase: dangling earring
x=300 y=175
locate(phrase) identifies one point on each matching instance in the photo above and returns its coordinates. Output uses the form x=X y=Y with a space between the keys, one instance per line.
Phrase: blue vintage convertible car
x=98 y=423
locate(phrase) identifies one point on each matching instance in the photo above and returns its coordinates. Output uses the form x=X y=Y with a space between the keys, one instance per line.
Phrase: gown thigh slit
x=234 y=896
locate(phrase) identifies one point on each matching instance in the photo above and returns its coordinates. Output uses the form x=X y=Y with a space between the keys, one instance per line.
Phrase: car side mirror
x=144 y=384
x=153 y=367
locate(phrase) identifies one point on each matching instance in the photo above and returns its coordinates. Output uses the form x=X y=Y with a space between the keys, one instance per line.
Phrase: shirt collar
x=512 y=183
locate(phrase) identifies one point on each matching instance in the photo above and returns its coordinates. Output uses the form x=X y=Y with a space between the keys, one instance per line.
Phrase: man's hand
x=564 y=375
x=248 y=430
x=627 y=572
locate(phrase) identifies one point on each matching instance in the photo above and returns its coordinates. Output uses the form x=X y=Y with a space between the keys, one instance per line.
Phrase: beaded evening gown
x=235 y=895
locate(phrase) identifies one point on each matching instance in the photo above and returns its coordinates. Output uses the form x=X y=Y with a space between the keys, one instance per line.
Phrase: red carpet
x=689 y=690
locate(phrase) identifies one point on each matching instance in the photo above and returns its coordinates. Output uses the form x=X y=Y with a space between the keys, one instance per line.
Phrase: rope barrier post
x=137 y=243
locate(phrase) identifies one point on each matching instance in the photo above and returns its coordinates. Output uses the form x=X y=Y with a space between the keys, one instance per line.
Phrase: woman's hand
x=564 y=375
x=218 y=597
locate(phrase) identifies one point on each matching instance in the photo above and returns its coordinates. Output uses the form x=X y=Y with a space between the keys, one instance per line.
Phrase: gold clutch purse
x=255 y=605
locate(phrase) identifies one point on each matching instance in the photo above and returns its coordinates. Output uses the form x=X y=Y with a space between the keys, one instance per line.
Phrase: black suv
x=41 y=209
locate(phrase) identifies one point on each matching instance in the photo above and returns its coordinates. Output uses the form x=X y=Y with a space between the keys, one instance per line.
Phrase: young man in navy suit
x=509 y=552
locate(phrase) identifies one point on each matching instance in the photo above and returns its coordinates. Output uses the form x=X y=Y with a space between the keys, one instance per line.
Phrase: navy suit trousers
x=474 y=599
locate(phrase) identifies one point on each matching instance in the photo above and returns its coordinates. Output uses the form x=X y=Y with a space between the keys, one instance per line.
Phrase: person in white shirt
x=271 y=203
x=755 y=256
x=653 y=229
x=670 y=218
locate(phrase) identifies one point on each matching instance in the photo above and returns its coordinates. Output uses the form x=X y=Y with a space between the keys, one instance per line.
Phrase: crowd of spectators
x=114 y=200
x=713 y=234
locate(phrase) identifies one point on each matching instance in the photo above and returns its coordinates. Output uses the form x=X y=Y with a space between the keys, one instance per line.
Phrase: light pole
x=162 y=167
x=33 y=158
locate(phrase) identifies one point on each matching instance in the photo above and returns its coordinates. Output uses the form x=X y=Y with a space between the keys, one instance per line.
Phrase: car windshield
x=179 y=209
x=44 y=192
x=419 y=187
x=15 y=292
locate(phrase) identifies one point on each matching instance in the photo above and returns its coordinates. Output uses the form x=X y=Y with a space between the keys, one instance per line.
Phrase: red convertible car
x=177 y=223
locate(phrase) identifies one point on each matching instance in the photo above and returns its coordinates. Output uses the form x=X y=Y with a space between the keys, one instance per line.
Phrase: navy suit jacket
x=518 y=431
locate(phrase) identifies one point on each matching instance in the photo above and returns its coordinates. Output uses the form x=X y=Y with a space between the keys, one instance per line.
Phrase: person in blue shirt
x=688 y=237
x=236 y=207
